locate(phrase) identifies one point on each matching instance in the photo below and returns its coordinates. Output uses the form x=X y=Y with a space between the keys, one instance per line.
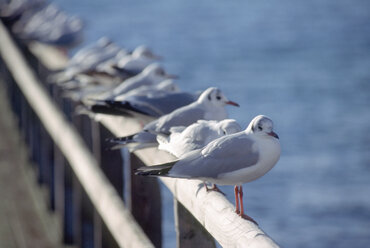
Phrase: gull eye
x=218 y=97
x=260 y=128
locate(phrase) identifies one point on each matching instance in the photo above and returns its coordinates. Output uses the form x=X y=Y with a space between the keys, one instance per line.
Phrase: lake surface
x=305 y=64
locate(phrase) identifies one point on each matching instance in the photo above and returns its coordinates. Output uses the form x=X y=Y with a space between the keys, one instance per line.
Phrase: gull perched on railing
x=209 y=106
x=150 y=100
x=135 y=62
x=11 y=10
x=48 y=24
x=186 y=139
x=88 y=59
x=230 y=160
x=151 y=75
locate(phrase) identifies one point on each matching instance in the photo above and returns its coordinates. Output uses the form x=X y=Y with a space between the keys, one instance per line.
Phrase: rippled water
x=306 y=64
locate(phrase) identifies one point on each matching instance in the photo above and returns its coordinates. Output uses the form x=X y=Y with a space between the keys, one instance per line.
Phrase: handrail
x=212 y=210
x=109 y=205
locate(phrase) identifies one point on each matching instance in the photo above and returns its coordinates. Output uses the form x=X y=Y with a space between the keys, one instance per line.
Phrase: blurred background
x=305 y=64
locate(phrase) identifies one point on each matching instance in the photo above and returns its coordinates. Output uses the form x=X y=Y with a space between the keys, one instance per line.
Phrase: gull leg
x=214 y=188
x=205 y=185
x=244 y=216
x=236 y=191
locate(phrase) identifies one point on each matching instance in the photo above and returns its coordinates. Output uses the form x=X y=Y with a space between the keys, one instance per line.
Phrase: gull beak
x=232 y=103
x=273 y=134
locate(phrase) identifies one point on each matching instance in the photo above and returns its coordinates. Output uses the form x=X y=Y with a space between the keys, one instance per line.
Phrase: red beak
x=273 y=134
x=232 y=103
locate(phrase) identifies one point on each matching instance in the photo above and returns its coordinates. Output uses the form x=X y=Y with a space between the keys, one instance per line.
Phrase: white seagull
x=185 y=139
x=140 y=58
x=230 y=160
x=151 y=75
x=209 y=106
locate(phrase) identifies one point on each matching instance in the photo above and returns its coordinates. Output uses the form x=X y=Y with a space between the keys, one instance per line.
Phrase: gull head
x=229 y=126
x=214 y=97
x=262 y=125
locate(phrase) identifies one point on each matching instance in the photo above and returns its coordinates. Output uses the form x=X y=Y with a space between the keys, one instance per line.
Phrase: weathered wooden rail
x=215 y=215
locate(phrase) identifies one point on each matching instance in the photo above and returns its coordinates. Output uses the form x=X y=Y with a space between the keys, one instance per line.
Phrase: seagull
x=148 y=100
x=230 y=160
x=48 y=24
x=209 y=106
x=86 y=60
x=167 y=85
x=140 y=58
x=12 y=10
x=185 y=139
x=151 y=75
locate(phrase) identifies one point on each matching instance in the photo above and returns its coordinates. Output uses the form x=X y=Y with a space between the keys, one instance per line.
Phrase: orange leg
x=244 y=216
x=241 y=200
x=236 y=191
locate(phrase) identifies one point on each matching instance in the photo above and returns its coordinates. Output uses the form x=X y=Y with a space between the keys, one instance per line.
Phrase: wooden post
x=98 y=230
x=111 y=161
x=69 y=212
x=112 y=166
x=146 y=203
x=58 y=175
x=87 y=231
x=189 y=232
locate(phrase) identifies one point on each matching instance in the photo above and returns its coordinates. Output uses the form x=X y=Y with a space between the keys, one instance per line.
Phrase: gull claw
x=214 y=188
x=246 y=217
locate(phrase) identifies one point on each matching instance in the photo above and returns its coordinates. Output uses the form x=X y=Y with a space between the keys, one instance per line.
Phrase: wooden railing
x=94 y=191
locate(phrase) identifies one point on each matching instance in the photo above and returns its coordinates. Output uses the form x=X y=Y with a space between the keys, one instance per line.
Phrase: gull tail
x=125 y=72
x=122 y=140
x=161 y=170
x=103 y=108
x=125 y=106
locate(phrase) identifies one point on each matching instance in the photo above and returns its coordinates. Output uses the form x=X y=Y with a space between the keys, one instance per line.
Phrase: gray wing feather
x=183 y=116
x=223 y=155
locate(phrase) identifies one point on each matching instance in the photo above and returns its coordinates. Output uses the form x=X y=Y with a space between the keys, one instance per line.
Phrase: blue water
x=306 y=64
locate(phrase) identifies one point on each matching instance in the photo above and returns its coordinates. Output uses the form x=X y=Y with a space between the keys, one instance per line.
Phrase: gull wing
x=183 y=116
x=226 y=154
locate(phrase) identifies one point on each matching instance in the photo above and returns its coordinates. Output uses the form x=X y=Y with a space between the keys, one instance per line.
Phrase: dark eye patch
x=218 y=97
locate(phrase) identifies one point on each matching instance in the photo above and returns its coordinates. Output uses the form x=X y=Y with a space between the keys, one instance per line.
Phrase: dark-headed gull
x=230 y=160
x=209 y=106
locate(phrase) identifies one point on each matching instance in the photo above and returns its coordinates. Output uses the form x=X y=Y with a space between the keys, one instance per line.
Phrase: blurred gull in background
x=48 y=24
x=149 y=100
x=12 y=10
x=151 y=75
